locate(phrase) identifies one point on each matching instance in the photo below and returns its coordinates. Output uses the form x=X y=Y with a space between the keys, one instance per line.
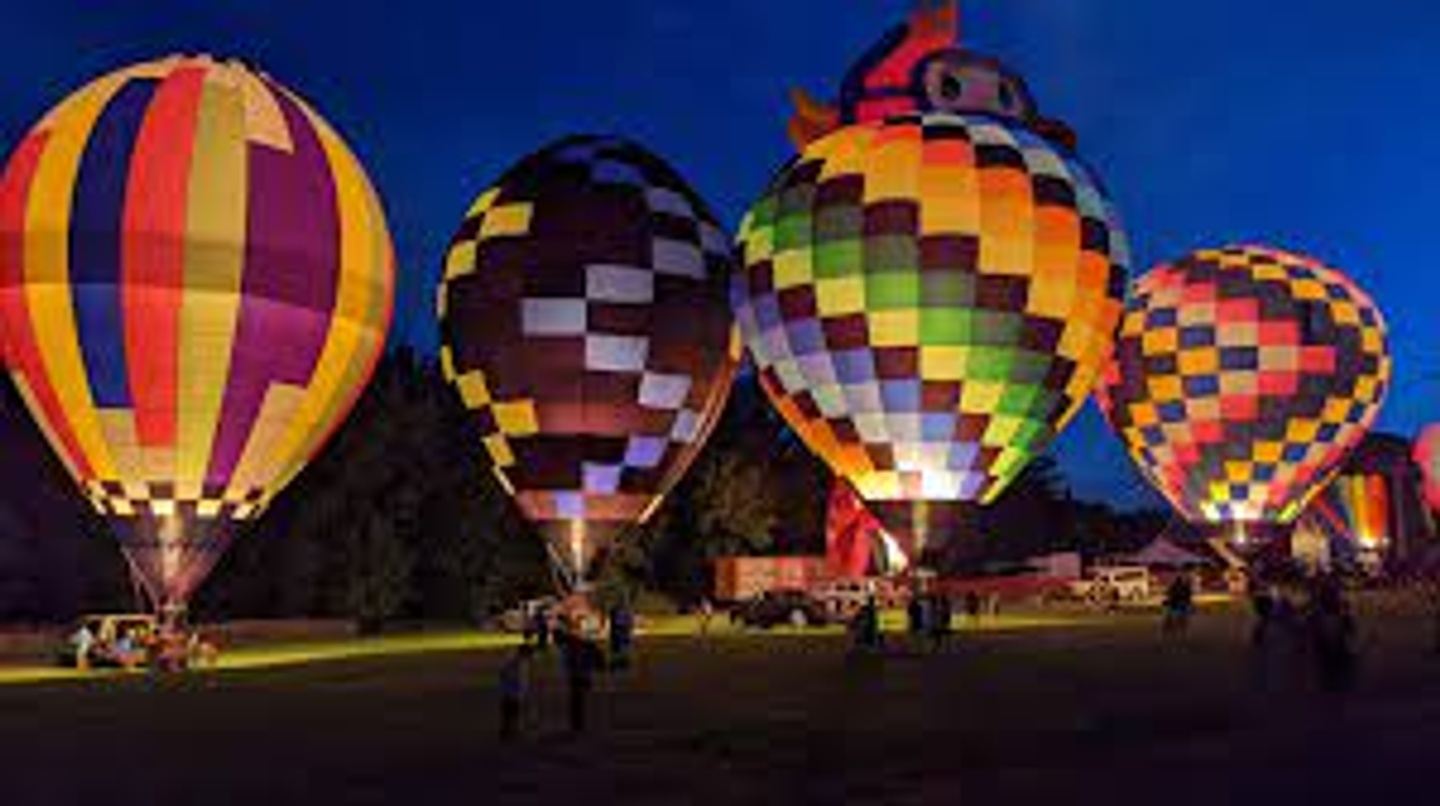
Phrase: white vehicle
x=841 y=598
x=1114 y=585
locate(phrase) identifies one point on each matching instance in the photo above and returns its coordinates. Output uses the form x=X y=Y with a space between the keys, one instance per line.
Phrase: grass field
x=1031 y=708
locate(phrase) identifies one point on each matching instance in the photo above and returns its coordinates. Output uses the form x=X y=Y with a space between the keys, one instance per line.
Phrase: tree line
x=399 y=518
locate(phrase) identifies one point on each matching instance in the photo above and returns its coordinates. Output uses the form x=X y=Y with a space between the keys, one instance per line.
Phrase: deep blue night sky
x=1312 y=126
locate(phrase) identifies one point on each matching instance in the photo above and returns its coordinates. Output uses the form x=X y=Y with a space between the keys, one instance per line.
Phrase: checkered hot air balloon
x=195 y=283
x=1242 y=377
x=583 y=321
x=928 y=300
x=1427 y=456
x=929 y=289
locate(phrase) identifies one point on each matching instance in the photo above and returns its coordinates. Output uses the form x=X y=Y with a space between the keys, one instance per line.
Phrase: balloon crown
x=919 y=66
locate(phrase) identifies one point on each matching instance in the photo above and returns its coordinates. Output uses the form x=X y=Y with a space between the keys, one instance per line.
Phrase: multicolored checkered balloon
x=195 y=283
x=1242 y=377
x=929 y=299
x=583 y=321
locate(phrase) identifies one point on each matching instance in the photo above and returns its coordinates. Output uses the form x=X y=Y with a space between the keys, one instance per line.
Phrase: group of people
x=575 y=630
x=930 y=619
x=134 y=646
x=1323 y=628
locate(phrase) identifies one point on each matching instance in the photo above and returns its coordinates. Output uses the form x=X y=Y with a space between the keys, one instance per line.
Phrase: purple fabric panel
x=292 y=268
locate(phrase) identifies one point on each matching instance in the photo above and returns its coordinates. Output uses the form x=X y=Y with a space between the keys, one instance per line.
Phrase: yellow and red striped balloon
x=196 y=280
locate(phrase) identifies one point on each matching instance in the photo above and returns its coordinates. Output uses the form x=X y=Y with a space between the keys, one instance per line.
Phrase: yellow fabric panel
x=793 y=267
x=47 y=265
x=1308 y=289
x=215 y=221
x=840 y=295
x=1302 y=430
x=892 y=172
x=258 y=462
x=844 y=153
x=1001 y=431
x=516 y=418
x=1335 y=410
x=499 y=449
x=1052 y=294
x=461 y=260
x=118 y=426
x=1007 y=222
x=1199 y=361
x=1165 y=388
x=473 y=389
x=894 y=328
x=482 y=202
x=952 y=200
x=981 y=397
x=943 y=363
x=264 y=122
x=507 y=219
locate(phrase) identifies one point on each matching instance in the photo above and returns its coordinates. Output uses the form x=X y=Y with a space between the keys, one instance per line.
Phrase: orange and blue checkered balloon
x=928 y=299
x=1242 y=377
x=195 y=284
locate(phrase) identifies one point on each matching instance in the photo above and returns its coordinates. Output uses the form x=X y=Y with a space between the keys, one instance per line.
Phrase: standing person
x=869 y=616
x=582 y=659
x=1262 y=603
x=622 y=632
x=1179 y=599
x=540 y=626
x=1332 y=637
x=915 y=613
x=706 y=612
x=514 y=681
x=940 y=626
x=82 y=641
x=972 y=607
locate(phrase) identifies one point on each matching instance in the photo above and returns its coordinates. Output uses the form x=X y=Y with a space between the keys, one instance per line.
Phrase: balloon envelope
x=1427 y=456
x=583 y=322
x=1242 y=377
x=929 y=299
x=195 y=283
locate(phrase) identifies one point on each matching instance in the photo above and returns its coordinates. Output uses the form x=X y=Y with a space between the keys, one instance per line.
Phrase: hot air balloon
x=930 y=296
x=856 y=543
x=583 y=322
x=1242 y=377
x=195 y=284
x=1427 y=456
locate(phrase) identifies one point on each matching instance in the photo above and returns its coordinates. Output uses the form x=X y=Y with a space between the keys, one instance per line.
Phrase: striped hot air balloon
x=196 y=280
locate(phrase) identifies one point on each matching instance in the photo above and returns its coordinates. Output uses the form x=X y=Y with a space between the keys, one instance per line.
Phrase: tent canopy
x=1162 y=552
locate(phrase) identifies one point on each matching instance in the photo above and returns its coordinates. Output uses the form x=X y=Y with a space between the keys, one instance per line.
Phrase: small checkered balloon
x=583 y=321
x=1242 y=377
x=928 y=299
x=1427 y=456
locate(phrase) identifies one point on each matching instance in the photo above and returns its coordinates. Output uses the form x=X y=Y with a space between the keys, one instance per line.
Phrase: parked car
x=117 y=639
x=1114 y=585
x=794 y=607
